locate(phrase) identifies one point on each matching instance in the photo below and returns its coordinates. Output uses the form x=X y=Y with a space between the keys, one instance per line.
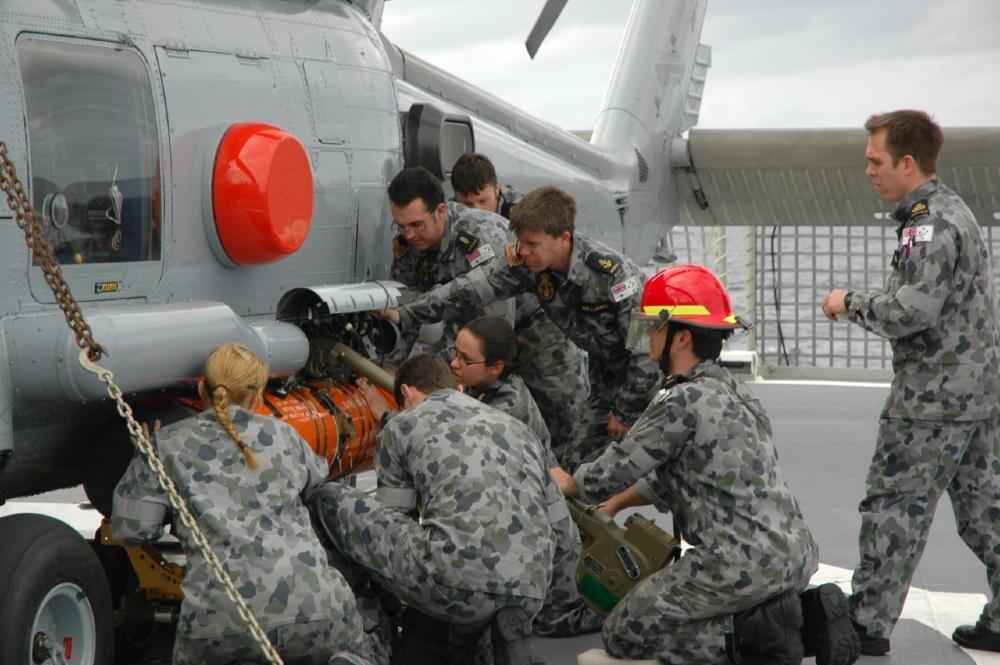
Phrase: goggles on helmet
x=641 y=328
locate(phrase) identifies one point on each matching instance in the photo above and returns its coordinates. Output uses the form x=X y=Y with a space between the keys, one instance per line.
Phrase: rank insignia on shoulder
x=604 y=264
x=594 y=307
x=919 y=209
x=466 y=241
x=546 y=287
x=399 y=247
x=623 y=290
x=513 y=257
x=484 y=253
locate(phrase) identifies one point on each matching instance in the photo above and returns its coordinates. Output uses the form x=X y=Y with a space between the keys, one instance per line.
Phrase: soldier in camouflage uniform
x=478 y=479
x=433 y=248
x=487 y=359
x=474 y=181
x=242 y=475
x=702 y=451
x=585 y=287
x=939 y=427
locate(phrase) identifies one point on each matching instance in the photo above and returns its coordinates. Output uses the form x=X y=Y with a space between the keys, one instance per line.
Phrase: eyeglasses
x=411 y=228
x=463 y=359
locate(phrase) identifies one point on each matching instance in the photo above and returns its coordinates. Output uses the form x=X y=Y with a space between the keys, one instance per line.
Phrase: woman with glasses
x=486 y=360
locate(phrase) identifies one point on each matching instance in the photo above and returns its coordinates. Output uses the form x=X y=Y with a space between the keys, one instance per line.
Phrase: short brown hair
x=471 y=173
x=911 y=133
x=547 y=209
x=426 y=372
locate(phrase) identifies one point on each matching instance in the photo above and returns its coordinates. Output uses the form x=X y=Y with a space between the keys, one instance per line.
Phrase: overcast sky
x=775 y=63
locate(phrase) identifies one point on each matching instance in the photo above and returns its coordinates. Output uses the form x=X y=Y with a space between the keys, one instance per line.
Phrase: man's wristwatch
x=847 y=300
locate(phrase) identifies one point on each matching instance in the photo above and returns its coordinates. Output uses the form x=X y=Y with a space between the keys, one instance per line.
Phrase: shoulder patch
x=603 y=263
x=919 y=209
x=623 y=290
x=513 y=257
x=399 y=247
x=466 y=241
x=479 y=255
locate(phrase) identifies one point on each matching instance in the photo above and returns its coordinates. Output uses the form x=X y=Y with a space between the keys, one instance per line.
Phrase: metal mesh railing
x=794 y=267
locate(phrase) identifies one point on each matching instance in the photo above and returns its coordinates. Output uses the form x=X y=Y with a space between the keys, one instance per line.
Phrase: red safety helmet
x=689 y=294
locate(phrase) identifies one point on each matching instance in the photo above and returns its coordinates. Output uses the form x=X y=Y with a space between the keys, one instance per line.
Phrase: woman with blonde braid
x=242 y=476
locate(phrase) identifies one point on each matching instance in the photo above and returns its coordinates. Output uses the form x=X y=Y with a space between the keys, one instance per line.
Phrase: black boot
x=871 y=645
x=826 y=628
x=769 y=634
x=979 y=636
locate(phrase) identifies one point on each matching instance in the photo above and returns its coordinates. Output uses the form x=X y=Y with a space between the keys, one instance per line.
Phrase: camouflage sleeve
x=465 y=296
x=317 y=469
x=641 y=373
x=395 y=486
x=139 y=505
x=913 y=300
x=657 y=436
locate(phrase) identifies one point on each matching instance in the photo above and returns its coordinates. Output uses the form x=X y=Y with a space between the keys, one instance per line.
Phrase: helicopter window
x=456 y=140
x=94 y=150
x=434 y=139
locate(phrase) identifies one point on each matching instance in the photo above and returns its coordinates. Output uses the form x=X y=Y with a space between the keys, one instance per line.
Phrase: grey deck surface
x=825 y=436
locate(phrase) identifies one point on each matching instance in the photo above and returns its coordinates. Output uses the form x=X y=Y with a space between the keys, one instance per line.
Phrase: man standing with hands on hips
x=939 y=428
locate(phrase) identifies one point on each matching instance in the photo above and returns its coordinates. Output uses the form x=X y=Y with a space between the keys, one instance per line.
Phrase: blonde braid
x=220 y=400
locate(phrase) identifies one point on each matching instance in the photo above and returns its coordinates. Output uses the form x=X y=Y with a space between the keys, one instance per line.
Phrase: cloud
x=776 y=63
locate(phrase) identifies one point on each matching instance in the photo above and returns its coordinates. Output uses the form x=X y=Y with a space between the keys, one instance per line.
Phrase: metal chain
x=90 y=352
x=35 y=238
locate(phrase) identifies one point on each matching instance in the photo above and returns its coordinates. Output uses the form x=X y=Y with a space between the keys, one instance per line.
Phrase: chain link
x=91 y=352
x=35 y=238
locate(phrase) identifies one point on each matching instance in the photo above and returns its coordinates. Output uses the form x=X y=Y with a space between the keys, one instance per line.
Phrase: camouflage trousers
x=915 y=462
x=312 y=643
x=678 y=616
x=382 y=541
x=564 y=612
x=558 y=380
x=591 y=434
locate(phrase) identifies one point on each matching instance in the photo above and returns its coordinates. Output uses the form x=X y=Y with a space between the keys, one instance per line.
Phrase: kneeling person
x=487 y=359
x=702 y=451
x=483 y=541
x=224 y=460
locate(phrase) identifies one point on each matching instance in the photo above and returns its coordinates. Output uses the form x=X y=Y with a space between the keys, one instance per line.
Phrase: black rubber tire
x=38 y=553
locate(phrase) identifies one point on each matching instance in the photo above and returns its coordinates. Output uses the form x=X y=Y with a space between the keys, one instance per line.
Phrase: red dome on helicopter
x=262 y=193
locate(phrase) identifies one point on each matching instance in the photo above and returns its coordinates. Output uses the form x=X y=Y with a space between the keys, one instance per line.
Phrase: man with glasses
x=436 y=242
x=584 y=287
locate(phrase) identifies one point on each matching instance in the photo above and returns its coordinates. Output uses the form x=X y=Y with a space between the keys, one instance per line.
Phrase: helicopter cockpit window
x=94 y=151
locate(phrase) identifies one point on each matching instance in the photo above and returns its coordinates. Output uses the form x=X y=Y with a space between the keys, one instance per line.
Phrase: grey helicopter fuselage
x=114 y=112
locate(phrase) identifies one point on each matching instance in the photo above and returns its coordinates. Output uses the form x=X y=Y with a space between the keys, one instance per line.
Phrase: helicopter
x=214 y=171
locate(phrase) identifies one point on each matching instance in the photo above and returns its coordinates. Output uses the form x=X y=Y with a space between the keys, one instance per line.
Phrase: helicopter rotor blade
x=546 y=19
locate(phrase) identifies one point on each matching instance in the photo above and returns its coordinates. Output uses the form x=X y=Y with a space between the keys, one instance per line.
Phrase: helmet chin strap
x=665 y=353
